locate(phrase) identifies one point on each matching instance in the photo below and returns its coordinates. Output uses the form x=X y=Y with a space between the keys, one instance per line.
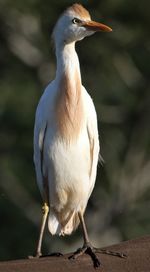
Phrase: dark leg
x=87 y=247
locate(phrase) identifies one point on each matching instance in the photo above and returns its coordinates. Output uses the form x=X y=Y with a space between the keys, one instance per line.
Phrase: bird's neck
x=67 y=63
x=69 y=101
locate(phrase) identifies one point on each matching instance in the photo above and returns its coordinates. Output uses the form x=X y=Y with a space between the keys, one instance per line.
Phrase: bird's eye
x=76 y=21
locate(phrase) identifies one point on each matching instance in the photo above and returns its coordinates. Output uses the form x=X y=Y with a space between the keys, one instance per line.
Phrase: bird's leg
x=84 y=230
x=45 y=210
x=87 y=247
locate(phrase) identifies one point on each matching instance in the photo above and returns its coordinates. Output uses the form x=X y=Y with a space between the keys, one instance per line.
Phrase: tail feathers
x=53 y=224
x=60 y=226
x=71 y=224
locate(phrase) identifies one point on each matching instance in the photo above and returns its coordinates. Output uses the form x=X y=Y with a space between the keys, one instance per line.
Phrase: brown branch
x=137 y=251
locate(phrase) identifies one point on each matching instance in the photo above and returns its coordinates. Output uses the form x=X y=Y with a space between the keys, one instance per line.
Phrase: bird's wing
x=39 y=136
x=92 y=130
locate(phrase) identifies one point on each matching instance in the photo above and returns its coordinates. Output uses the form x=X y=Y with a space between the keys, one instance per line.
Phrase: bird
x=66 y=139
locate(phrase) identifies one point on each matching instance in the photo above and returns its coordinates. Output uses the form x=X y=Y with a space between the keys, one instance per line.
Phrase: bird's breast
x=70 y=116
x=68 y=167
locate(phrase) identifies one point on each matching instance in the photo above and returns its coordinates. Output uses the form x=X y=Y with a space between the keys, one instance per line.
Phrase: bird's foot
x=36 y=256
x=109 y=252
x=87 y=249
x=54 y=254
x=40 y=255
x=91 y=251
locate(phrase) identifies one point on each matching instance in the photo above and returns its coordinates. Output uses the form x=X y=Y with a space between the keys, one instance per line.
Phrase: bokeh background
x=116 y=71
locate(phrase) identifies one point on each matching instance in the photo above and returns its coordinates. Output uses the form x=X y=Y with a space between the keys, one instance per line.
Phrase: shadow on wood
x=137 y=251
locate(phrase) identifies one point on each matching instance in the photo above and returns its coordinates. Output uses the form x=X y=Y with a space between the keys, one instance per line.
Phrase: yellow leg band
x=45 y=208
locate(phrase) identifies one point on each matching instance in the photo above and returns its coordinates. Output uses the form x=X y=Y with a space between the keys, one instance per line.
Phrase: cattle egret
x=66 y=143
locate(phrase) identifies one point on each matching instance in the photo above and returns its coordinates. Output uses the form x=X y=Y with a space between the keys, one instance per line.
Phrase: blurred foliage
x=115 y=70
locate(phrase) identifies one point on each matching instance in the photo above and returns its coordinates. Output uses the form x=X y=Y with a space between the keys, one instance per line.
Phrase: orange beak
x=95 y=26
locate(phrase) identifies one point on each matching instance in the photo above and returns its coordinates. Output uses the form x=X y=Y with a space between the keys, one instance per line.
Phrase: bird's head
x=75 y=24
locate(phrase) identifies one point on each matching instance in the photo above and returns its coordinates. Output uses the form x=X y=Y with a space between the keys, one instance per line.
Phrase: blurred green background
x=116 y=72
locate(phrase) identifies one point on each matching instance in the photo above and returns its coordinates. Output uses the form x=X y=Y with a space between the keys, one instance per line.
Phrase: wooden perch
x=137 y=251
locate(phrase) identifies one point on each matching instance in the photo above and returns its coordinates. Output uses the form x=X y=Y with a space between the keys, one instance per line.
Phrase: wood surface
x=137 y=251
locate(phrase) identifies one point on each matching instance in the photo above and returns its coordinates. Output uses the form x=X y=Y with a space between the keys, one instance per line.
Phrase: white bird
x=66 y=142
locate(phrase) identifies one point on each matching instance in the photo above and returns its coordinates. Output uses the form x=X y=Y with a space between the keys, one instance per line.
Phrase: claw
x=88 y=250
x=91 y=251
x=40 y=255
x=112 y=253
x=37 y=256
x=77 y=253
x=55 y=254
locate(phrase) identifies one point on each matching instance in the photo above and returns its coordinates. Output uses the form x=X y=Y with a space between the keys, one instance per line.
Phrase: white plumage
x=66 y=144
x=68 y=166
